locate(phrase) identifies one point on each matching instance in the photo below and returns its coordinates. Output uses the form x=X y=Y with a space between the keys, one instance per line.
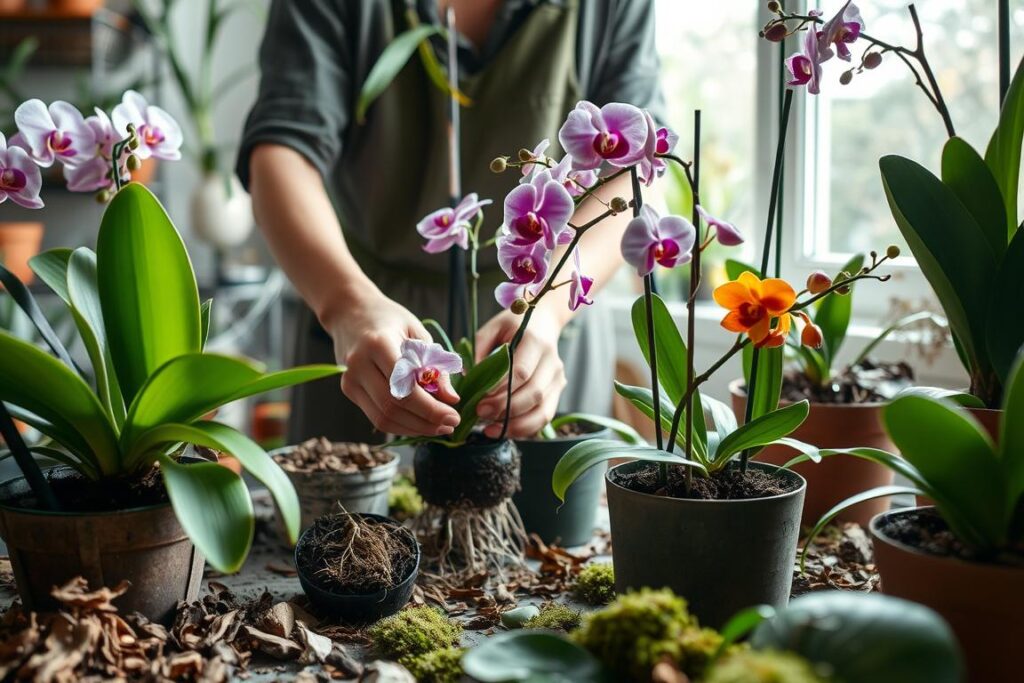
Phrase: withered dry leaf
x=76 y=594
x=279 y=620
x=317 y=647
x=275 y=646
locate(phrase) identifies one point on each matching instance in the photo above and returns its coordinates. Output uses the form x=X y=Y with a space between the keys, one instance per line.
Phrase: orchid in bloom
x=805 y=67
x=20 y=180
x=55 y=132
x=753 y=304
x=95 y=174
x=526 y=266
x=537 y=155
x=446 y=227
x=575 y=181
x=616 y=133
x=159 y=134
x=539 y=211
x=841 y=30
x=579 y=285
x=423 y=364
x=651 y=239
x=726 y=233
x=660 y=141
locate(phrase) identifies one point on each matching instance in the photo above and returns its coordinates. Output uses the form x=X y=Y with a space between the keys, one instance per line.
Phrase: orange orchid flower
x=753 y=303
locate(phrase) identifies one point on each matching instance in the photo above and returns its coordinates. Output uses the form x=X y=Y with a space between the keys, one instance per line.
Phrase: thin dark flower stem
x=474 y=285
x=458 y=299
x=1004 y=49
x=782 y=192
x=691 y=302
x=115 y=160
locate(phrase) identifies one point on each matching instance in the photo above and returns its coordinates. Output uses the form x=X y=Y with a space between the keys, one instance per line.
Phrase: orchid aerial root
x=466 y=541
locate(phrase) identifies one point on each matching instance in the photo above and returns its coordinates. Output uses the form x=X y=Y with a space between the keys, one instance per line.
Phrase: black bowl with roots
x=356 y=607
x=481 y=473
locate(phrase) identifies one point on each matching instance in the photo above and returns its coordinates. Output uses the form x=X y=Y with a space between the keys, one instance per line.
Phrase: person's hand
x=367 y=338
x=538 y=376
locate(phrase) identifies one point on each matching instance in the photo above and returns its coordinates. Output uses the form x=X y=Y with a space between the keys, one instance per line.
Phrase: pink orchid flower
x=651 y=239
x=726 y=233
x=805 y=67
x=523 y=263
x=20 y=179
x=539 y=211
x=659 y=141
x=579 y=285
x=447 y=227
x=841 y=30
x=159 y=134
x=508 y=292
x=55 y=132
x=538 y=153
x=423 y=364
x=615 y=133
x=575 y=181
x=95 y=174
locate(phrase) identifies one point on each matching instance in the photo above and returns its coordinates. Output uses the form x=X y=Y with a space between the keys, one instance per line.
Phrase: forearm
x=299 y=223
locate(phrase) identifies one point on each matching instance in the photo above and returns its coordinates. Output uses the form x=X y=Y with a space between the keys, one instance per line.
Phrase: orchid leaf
x=1005 y=335
x=905 y=321
x=833 y=315
x=961 y=398
x=213 y=506
x=147 y=288
x=475 y=385
x=768 y=386
x=965 y=173
x=27 y=303
x=741 y=624
x=1004 y=148
x=389 y=64
x=722 y=417
x=1011 y=436
x=52 y=268
x=762 y=431
x=532 y=656
x=734 y=268
x=205 y=316
x=812 y=363
x=61 y=457
x=643 y=400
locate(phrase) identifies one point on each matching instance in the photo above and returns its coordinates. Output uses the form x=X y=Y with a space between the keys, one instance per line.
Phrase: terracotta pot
x=982 y=602
x=18 y=243
x=146 y=546
x=11 y=6
x=75 y=8
x=270 y=423
x=833 y=479
x=146 y=172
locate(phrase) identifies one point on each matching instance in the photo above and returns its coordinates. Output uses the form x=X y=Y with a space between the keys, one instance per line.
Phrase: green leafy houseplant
x=136 y=305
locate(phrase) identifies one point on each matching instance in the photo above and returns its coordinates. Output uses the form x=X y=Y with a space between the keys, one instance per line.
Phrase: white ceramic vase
x=221 y=211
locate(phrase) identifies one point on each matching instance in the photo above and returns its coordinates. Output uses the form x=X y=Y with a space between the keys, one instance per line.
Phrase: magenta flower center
x=151 y=135
x=12 y=180
x=60 y=143
x=444 y=220
x=848 y=33
x=610 y=145
x=666 y=252
x=428 y=379
x=661 y=146
x=524 y=269
x=530 y=225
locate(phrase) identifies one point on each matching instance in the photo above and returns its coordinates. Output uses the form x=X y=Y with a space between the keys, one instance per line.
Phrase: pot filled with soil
x=982 y=598
x=569 y=523
x=845 y=414
x=729 y=545
x=357 y=567
x=326 y=474
x=107 y=532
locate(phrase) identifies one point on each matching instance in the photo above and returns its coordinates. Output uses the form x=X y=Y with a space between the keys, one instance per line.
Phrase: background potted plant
x=964 y=557
x=106 y=515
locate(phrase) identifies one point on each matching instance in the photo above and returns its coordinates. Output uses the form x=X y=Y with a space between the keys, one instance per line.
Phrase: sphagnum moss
x=413 y=632
x=439 y=666
x=556 y=617
x=595 y=584
x=752 y=666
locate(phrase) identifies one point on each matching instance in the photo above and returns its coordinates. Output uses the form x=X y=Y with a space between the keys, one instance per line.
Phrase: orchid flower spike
x=615 y=133
x=726 y=233
x=57 y=132
x=20 y=179
x=842 y=30
x=526 y=266
x=446 y=227
x=423 y=364
x=651 y=239
x=539 y=211
x=159 y=134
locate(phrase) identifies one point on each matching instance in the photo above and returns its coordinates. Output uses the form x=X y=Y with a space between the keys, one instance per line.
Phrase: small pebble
x=515 y=618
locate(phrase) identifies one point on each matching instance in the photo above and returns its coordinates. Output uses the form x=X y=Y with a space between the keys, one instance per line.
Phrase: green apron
x=393 y=171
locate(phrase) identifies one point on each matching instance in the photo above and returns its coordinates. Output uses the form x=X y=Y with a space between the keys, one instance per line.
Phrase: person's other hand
x=367 y=338
x=538 y=376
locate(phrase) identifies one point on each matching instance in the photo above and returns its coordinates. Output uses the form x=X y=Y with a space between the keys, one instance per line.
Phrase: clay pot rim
x=878 y=535
x=703 y=501
x=817 y=405
x=393 y=461
x=62 y=513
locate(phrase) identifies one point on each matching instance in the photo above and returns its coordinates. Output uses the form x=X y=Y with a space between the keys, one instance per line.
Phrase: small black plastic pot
x=479 y=474
x=568 y=524
x=359 y=608
x=721 y=555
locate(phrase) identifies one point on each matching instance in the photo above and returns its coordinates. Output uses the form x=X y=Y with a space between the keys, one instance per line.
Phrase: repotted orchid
x=128 y=501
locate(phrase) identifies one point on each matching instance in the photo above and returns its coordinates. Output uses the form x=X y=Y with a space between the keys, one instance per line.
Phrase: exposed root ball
x=467 y=541
x=479 y=474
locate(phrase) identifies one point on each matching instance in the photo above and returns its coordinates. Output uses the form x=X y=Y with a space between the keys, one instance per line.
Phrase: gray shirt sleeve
x=305 y=85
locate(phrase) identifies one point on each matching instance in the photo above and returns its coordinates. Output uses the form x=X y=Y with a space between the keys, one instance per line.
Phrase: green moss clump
x=556 y=617
x=439 y=666
x=595 y=584
x=764 y=666
x=413 y=632
x=404 y=500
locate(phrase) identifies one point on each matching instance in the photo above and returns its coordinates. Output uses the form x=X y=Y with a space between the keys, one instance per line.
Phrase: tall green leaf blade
x=762 y=430
x=147 y=288
x=965 y=172
x=833 y=316
x=27 y=303
x=52 y=268
x=205 y=317
x=768 y=386
x=1011 y=437
x=1003 y=152
x=585 y=455
x=389 y=64
x=213 y=506
x=475 y=385
x=643 y=400
x=59 y=456
x=1005 y=332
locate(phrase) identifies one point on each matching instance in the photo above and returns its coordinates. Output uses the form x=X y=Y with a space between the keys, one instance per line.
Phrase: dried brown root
x=467 y=541
x=356 y=553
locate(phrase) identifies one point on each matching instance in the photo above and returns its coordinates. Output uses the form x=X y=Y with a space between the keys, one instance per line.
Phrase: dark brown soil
x=867 y=382
x=481 y=474
x=925 y=530
x=573 y=429
x=729 y=484
x=321 y=455
x=351 y=554
x=75 y=493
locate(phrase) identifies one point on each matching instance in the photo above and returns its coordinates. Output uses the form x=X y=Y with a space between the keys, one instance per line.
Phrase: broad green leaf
x=41 y=384
x=768 y=385
x=950 y=248
x=1003 y=152
x=812 y=453
x=52 y=268
x=961 y=398
x=741 y=624
x=205 y=315
x=957 y=458
x=1011 y=435
x=59 y=456
x=84 y=301
x=475 y=385
x=66 y=437
x=621 y=429
x=531 y=656
x=884 y=458
x=585 y=455
x=812 y=363
x=213 y=506
x=253 y=458
x=762 y=431
x=1005 y=334
x=643 y=400
x=734 y=268
x=833 y=314
x=965 y=173
x=147 y=288
x=27 y=303
x=905 y=321
x=722 y=417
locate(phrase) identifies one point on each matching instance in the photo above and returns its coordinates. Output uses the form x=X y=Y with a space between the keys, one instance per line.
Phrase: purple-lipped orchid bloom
x=575 y=181
x=659 y=141
x=159 y=134
x=523 y=263
x=615 y=133
x=726 y=233
x=507 y=292
x=651 y=239
x=579 y=285
x=805 y=67
x=55 y=132
x=447 y=227
x=94 y=175
x=539 y=211
x=423 y=364
x=20 y=179
x=538 y=153
x=841 y=30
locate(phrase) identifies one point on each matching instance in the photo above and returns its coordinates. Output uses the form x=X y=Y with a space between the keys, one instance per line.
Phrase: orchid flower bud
x=811 y=335
x=499 y=164
x=846 y=77
x=525 y=155
x=872 y=60
x=892 y=251
x=776 y=33
x=818 y=282
x=519 y=306
x=774 y=6
x=618 y=205
x=133 y=163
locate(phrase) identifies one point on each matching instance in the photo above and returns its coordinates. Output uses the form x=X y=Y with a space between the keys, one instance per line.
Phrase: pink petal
x=630 y=122
x=680 y=230
x=637 y=241
x=35 y=125
x=577 y=136
x=403 y=378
